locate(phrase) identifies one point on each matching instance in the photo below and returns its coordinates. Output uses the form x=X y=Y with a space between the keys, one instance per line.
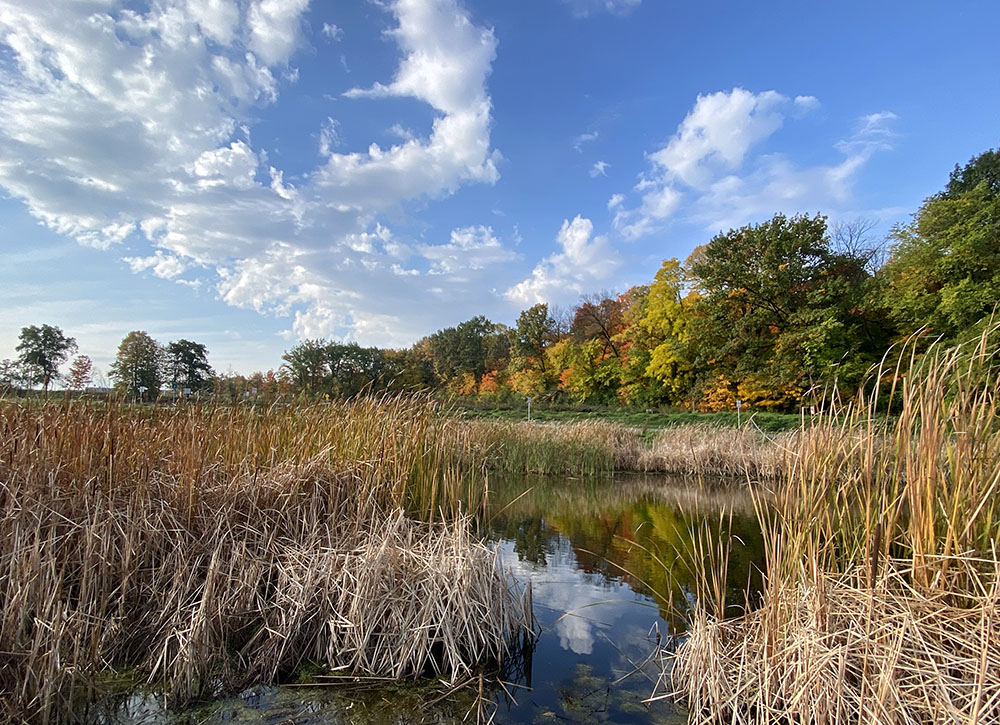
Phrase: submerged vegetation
x=205 y=548
x=881 y=600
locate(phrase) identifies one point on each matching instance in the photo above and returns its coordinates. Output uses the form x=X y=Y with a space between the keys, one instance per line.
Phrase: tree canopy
x=43 y=349
x=138 y=366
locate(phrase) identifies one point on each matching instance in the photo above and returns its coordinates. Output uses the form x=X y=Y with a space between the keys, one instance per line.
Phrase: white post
x=529 y=408
x=739 y=404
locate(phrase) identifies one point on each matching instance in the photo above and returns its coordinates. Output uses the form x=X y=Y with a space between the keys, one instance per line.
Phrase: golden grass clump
x=881 y=601
x=708 y=451
x=592 y=448
x=208 y=548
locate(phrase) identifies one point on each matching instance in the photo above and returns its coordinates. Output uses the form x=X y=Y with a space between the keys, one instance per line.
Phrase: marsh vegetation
x=881 y=600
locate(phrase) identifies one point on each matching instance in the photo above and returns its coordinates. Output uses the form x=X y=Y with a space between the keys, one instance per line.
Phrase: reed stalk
x=881 y=601
x=207 y=548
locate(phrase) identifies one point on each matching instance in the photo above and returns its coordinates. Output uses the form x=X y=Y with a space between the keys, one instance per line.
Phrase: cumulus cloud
x=131 y=128
x=708 y=166
x=583 y=264
x=165 y=266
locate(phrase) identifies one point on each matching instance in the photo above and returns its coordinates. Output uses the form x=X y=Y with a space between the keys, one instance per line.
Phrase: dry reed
x=597 y=448
x=208 y=548
x=882 y=594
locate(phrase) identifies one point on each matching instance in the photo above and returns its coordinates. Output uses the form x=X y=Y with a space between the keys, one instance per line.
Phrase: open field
x=203 y=549
x=881 y=601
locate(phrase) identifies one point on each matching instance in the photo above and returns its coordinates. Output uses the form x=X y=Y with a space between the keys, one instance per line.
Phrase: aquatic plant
x=206 y=548
x=882 y=593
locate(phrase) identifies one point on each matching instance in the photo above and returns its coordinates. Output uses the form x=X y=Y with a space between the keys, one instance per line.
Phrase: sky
x=250 y=173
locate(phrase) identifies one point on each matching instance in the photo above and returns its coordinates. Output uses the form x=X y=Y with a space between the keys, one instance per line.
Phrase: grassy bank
x=627 y=417
x=208 y=548
x=882 y=594
x=599 y=448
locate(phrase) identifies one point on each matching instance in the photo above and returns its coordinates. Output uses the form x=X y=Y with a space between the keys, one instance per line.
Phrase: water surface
x=608 y=564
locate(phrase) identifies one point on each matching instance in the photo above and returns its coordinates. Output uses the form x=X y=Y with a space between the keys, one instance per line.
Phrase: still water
x=607 y=565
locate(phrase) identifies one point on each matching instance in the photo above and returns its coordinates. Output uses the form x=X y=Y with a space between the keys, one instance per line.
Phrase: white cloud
x=717 y=134
x=703 y=167
x=124 y=127
x=470 y=248
x=599 y=169
x=584 y=138
x=234 y=166
x=586 y=8
x=332 y=31
x=584 y=262
x=165 y=266
x=806 y=103
x=274 y=28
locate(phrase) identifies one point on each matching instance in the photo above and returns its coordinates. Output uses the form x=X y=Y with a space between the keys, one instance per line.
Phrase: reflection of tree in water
x=643 y=535
x=531 y=540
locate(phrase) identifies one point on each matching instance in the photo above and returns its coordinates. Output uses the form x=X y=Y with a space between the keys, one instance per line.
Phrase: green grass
x=771 y=422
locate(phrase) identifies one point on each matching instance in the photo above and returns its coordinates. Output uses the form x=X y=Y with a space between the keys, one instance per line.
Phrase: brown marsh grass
x=593 y=448
x=205 y=548
x=882 y=593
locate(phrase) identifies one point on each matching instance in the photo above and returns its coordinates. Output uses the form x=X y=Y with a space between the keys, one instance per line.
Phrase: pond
x=609 y=590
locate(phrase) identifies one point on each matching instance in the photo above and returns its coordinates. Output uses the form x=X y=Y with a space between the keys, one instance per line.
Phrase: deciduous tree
x=944 y=269
x=81 y=372
x=43 y=349
x=138 y=366
x=187 y=366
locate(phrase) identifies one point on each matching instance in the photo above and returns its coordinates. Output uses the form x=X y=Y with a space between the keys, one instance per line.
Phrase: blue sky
x=249 y=173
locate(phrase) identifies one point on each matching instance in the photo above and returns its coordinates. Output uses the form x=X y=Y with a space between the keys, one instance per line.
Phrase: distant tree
x=854 y=239
x=138 y=366
x=944 y=268
x=187 y=366
x=667 y=322
x=306 y=366
x=600 y=316
x=781 y=306
x=12 y=375
x=43 y=349
x=354 y=369
x=80 y=373
x=534 y=330
x=463 y=349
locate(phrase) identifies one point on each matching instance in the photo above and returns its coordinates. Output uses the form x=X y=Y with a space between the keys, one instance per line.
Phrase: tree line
x=767 y=314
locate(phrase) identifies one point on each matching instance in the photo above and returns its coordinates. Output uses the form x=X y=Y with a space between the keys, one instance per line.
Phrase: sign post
x=529 y=408
x=739 y=405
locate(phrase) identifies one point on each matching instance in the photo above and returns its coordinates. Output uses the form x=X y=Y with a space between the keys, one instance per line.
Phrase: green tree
x=781 y=307
x=944 y=268
x=138 y=366
x=464 y=349
x=187 y=366
x=305 y=366
x=532 y=333
x=43 y=349
x=354 y=369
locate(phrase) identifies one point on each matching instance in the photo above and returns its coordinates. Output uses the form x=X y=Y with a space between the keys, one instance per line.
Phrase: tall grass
x=210 y=547
x=594 y=448
x=882 y=593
